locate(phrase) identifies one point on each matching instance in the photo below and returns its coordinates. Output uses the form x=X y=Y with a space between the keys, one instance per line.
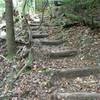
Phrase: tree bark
x=11 y=44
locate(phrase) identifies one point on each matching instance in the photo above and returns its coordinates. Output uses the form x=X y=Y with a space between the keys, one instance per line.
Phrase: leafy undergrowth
x=32 y=84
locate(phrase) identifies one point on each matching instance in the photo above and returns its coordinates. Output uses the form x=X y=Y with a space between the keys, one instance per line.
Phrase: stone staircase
x=52 y=46
x=52 y=49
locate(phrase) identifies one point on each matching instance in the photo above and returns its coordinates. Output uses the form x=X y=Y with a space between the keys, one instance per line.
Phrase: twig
x=18 y=74
x=4 y=58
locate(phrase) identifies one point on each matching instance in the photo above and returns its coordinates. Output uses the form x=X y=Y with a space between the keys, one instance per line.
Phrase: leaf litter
x=32 y=83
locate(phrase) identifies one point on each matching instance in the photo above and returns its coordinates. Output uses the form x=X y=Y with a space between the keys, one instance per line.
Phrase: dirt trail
x=33 y=84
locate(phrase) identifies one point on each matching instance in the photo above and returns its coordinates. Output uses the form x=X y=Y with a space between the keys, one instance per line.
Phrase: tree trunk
x=11 y=44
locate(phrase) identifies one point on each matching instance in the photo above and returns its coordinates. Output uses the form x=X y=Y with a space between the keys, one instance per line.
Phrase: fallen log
x=40 y=35
x=76 y=96
x=52 y=42
x=62 y=54
x=73 y=73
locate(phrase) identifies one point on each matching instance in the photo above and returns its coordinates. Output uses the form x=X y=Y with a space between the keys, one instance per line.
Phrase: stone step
x=38 y=32
x=73 y=73
x=76 y=96
x=40 y=35
x=34 y=28
x=62 y=54
x=52 y=42
x=34 y=24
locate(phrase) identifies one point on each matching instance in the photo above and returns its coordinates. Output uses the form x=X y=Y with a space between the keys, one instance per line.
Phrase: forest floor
x=32 y=84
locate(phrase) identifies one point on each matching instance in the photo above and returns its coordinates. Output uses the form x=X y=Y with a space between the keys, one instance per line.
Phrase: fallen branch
x=76 y=96
x=18 y=74
x=73 y=73
x=1 y=56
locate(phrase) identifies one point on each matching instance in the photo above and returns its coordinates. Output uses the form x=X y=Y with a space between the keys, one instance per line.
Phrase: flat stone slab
x=34 y=24
x=73 y=73
x=52 y=42
x=34 y=28
x=62 y=54
x=76 y=96
x=40 y=35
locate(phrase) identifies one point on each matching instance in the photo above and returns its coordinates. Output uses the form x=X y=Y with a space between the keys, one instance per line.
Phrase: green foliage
x=27 y=6
x=40 y=4
x=77 y=5
x=81 y=11
x=2 y=7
